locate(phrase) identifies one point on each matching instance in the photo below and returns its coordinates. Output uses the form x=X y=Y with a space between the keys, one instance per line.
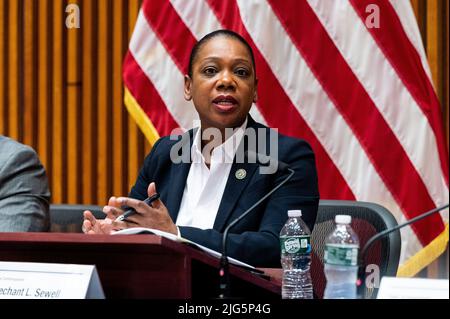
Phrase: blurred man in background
x=24 y=192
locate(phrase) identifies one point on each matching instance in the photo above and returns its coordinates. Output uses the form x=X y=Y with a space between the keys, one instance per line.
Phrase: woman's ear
x=255 y=94
x=187 y=87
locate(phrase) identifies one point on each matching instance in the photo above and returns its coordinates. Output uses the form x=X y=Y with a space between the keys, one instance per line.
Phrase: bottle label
x=342 y=255
x=295 y=244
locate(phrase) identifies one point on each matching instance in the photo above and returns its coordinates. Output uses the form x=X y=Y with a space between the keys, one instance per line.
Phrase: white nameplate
x=22 y=280
x=413 y=288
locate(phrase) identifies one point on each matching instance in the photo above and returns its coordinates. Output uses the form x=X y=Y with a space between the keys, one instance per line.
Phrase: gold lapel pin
x=241 y=173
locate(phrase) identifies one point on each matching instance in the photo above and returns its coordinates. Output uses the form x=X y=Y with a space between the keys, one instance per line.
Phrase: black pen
x=132 y=211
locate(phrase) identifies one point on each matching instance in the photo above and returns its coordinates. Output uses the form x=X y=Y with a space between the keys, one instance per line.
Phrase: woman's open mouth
x=225 y=103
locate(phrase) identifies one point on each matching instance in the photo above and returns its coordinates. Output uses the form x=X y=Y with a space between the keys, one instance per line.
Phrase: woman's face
x=223 y=83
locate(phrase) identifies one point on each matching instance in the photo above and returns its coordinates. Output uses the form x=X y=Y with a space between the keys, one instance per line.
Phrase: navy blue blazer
x=255 y=239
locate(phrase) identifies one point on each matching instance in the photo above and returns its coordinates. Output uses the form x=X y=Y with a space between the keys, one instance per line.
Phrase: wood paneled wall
x=433 y=17
x=61 y=92
x=61 y=89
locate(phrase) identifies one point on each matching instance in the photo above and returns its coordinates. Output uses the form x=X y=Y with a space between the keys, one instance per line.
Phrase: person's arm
x=24 y=193
x=262 y=247
x=91 y=225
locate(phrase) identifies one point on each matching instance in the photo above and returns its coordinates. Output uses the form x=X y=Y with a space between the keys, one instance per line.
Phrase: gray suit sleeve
x=24 y=192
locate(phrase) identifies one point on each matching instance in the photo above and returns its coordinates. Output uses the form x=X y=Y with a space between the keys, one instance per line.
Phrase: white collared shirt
x=204 y=187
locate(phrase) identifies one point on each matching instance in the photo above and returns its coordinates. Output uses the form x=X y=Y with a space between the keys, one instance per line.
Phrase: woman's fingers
x=91 y=225
x=146 y=215
x=131 y=221
x=87 y=226
x=112 y=212
x=123 y=224
x=151 y=190
x=89 y=216
x=138 y=205
x=113 y=202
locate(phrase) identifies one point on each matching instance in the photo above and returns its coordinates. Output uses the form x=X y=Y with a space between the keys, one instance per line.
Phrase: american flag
x=350 y=77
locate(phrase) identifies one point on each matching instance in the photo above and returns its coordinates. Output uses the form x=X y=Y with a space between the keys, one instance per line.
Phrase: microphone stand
x=223 y=272
x=361 y=271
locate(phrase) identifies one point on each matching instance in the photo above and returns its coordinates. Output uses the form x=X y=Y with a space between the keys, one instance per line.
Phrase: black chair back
x=65 y=218
x=368 y=219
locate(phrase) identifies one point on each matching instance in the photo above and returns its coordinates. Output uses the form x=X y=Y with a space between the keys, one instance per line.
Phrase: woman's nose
x=225 y=81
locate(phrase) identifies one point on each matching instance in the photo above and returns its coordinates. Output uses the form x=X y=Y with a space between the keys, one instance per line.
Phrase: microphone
x=252 y=158
x=373 y=239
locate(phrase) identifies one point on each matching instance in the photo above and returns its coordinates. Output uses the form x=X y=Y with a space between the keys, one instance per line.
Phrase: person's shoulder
x=285 y=142
x=164 y=147
x=293 y=142
x=9 y=147
x=170 y=140
x=14 y=154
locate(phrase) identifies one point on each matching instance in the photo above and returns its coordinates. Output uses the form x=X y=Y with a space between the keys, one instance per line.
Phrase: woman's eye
x=209 y=71
x=242 y=72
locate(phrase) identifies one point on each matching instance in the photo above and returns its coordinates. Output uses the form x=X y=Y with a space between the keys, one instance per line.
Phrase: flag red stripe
x=361 y=114
x=171 y=31
x=284 y=116
x=398 y=49
x=147 y=96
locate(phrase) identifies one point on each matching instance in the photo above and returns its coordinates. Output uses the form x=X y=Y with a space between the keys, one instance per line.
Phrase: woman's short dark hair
x=209 y=36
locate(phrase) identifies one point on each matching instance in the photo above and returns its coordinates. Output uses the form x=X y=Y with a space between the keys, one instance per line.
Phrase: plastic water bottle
x=295 y=240
x=341 y=260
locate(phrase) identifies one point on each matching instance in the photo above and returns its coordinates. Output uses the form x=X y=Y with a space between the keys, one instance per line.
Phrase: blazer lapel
x=233 y=190
x=177 y=182
x=178 y=177
x=235 y=186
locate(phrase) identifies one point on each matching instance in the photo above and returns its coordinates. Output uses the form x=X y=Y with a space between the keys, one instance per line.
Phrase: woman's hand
x=155 y=216
x=91 y=225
